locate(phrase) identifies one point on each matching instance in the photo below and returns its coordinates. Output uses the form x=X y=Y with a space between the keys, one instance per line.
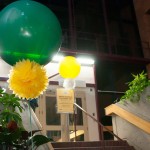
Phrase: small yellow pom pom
x=28 y=79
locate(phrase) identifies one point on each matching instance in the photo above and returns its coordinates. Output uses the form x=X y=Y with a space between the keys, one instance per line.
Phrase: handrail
x=100 y=124
x=133 y=119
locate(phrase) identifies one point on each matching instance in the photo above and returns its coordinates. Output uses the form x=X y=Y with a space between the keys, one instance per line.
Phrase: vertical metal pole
x=101 y=134
x=75 y=123
x=65 y=136
x=72 y=25
x=107 y=26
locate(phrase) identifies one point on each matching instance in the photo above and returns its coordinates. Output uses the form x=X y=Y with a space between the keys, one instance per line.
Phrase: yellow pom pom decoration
x=28 y=79
x=69 y=67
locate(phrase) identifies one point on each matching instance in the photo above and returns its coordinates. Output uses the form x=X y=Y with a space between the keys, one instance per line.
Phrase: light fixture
x=81 y=60
x=85 y=61
x=57 y=58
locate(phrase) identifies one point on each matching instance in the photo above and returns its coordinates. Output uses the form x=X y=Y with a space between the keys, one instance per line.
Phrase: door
x=51 y=120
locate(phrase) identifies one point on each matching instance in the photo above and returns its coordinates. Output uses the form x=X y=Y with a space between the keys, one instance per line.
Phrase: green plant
x=136 y=87
x=9 y=102
x=12 y=133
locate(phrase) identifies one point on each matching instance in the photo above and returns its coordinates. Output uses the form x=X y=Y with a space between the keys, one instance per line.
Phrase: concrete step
x=98 y=148
x=92 y=145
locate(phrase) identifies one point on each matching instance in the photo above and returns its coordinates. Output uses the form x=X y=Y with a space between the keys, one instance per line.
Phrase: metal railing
x=100 y=124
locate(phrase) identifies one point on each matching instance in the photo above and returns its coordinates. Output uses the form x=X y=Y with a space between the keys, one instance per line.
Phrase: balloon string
x=30 y=123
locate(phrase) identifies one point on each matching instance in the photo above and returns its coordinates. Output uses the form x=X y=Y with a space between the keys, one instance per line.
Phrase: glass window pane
x=78 y=117
x=55 y=135
x=52 y=118
x=123 y=28
x=90 y=25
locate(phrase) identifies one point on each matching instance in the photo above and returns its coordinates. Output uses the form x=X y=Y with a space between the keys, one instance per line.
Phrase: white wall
x=4 y=68
x=86 y=73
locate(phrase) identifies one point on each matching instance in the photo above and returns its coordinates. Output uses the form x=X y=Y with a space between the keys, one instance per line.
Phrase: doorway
x=51 y=120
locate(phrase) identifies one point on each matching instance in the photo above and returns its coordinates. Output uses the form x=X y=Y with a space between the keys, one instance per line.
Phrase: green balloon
x=28 y=30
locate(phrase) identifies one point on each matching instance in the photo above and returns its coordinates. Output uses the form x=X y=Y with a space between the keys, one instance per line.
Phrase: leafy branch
x=10 y=101
x=136 y=87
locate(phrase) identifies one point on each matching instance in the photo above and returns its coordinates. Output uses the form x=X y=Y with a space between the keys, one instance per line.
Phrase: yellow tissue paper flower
x=28 y=79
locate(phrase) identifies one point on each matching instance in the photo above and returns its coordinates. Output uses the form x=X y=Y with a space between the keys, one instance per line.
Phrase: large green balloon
x=28 y=30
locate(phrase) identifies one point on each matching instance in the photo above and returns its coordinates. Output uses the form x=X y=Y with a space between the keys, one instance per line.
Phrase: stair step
x=90 y=144
x=97 y=148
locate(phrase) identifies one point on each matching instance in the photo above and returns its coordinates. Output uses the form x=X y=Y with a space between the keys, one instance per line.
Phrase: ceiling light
x=81 y=60
x=85 y=61
x=57 y=58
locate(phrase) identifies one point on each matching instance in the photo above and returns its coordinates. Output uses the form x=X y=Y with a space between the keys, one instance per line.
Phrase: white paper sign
x=65 y=100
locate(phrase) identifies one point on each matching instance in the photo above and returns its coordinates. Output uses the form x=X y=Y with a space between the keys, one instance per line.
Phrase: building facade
x=115 y=32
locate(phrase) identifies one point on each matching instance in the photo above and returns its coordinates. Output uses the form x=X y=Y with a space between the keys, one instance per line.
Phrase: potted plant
x=12 y=133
